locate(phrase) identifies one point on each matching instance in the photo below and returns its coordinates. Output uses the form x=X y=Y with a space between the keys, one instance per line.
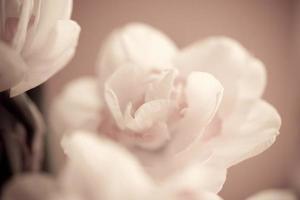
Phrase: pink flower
x=111 y=173
x=186 y=114
x=37 y=39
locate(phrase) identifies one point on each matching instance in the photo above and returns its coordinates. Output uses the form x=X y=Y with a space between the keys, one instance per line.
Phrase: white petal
x=155 y=137
x=57 y=52
x=128 y=83
x=162 y=88
x=21 y=32
x=204 y=94
x=50 y=12
x=161 y=165
x=12 y=67
x=71 y=111
x=253 y=82
x=252 y=128
x=100 y=169
x=114 y=107
x=197 y=177
x=274 y=194
x=148 y=114
x=136 y=43
x=67 y=12
x=240 y=73
x=63 y=36
x=30 y=187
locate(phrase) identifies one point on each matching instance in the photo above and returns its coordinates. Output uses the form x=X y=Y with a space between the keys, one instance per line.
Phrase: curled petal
x=63 y=36
x=253 y=82
x=154 y=137
x=56 y=53
x=204 y=94
x=114 y=107
x=128 y=83
x=252 y=128
x=148 y=114
x=162 y=88
x=12 y=67
x=49 y=13
x=136 y=43
x=240 y=73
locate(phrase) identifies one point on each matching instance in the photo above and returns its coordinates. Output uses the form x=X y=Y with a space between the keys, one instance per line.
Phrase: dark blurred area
x=13 y=137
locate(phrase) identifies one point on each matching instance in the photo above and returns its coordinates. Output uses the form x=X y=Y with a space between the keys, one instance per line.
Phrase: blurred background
x=270 y=29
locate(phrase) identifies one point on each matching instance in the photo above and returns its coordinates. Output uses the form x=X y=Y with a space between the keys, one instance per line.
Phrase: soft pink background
x=268 y=28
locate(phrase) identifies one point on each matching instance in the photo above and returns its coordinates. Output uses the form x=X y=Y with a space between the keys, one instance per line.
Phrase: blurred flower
x=37 y=38
x=97 y=169
x=196 y=111
x=274 y=194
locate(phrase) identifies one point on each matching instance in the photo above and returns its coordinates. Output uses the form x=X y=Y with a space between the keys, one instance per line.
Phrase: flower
x=96 y=169
x=186 y=114
x=274 y=194
x=37 y=38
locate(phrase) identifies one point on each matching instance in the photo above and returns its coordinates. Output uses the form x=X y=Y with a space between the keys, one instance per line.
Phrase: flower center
x=145 y=118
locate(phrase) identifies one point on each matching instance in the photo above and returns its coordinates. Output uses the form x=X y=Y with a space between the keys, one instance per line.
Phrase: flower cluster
x=187 y=115
x=156 y=122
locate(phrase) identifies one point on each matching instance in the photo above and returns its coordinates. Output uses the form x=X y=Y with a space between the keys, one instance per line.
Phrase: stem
x=25 y=111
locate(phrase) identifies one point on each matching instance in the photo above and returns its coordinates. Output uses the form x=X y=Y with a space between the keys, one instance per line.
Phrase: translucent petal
x=57 y=52
x=240 y=73
x=135 y=43
x=204 y=94
x=252 y=128
x=50 y=12
x=98 y=176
